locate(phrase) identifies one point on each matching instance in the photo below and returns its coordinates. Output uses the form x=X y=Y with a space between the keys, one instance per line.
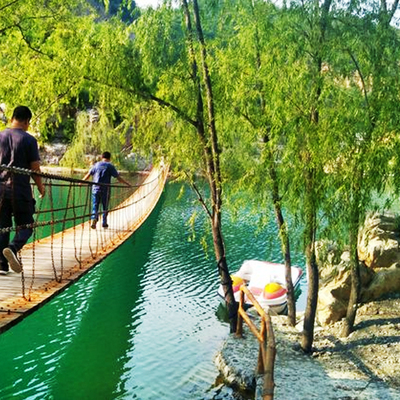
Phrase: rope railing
x=266 y=339
x=23 y=171
x=117 y=197
x=62 y=224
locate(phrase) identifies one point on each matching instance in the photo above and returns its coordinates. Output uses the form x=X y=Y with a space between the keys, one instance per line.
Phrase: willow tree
x=248 y=62
x=369 y=120
x=40 y=51
x=211 y=149
x=312 y=168
x=304 y=35
x=280 y=84
x=161 y=79
x=351 y=114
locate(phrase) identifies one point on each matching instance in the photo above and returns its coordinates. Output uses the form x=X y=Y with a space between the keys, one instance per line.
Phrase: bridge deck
x=53 y=263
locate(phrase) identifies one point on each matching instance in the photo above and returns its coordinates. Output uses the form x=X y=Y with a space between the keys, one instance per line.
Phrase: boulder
x=335 y=290
x=385 y=281
x=378 y=241
x=379 y=256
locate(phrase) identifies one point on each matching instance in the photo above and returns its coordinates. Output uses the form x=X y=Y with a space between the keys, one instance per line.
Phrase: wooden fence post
x=239 y=326
x=269 y=361
x=266 y=339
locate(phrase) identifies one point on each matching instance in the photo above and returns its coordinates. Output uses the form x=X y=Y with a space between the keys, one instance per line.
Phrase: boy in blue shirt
x=102 y=172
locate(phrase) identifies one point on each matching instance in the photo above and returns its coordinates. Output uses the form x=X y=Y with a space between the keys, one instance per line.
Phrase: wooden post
x=261 y=352
x=266 y=339
x=269 y=361
x=239 y=327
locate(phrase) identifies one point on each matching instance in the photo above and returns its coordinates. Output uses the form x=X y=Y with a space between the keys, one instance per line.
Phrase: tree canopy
x=297 y=103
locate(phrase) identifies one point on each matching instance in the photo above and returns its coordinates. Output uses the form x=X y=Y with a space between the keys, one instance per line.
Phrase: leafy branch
x=146 y=96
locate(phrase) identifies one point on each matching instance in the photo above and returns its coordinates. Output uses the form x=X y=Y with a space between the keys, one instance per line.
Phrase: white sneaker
x=12 y=260
x=2 y=272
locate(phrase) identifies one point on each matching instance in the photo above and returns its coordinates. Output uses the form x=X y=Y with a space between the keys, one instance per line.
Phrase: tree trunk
x=312 y=268
x=282 y=228
x=312 y=299
x=211 y=157
x=355 y=272
x=311 y=196
x=216 y=181
x=285 y=246
x=225 y=278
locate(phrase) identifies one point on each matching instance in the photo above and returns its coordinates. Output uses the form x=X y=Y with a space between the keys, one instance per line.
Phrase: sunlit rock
x=379 y=253
x=378 y=242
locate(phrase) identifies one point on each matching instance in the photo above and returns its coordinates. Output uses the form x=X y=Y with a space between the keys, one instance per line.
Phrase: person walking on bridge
x=102 y=172
x=17 y=149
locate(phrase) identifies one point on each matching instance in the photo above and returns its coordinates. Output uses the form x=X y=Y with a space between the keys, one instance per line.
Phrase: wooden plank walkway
x=53 y=263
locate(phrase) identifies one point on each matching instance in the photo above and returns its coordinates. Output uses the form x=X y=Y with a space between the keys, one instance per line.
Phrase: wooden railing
x=266 y=338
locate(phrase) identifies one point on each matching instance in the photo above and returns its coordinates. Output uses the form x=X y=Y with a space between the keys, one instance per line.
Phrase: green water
x=141 y=325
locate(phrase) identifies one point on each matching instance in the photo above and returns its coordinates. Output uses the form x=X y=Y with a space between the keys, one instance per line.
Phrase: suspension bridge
x=64 y=246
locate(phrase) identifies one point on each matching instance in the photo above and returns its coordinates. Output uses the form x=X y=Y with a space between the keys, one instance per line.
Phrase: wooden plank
x=53 y=263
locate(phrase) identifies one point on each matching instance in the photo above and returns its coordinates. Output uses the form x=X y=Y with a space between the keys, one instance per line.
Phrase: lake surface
x=144 y=324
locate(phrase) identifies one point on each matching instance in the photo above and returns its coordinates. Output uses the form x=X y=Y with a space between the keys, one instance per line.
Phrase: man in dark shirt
x=17 y=149
x=102 y=172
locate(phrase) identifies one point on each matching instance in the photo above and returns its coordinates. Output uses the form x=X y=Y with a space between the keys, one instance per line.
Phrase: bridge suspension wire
x=64 y=245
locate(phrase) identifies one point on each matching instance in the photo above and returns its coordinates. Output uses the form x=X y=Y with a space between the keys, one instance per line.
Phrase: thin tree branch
x=248 y=119
x=199 y=196
x=364 y=89
x=394 y=9
x=5 y=29
x=146 y=96
x=8 y=5
x=25 y=39
x=59 y=97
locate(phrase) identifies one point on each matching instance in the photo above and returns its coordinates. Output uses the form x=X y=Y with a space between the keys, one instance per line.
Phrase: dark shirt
x=102 y=172
x=17 y=149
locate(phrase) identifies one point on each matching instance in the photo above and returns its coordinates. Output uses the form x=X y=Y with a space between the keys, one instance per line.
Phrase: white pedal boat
x=266 y=281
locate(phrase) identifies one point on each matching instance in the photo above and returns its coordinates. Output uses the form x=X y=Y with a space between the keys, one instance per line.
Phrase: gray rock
x=379 y=254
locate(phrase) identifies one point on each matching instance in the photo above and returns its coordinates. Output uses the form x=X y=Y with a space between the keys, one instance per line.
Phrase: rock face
x=379 y=255
x=52 y=154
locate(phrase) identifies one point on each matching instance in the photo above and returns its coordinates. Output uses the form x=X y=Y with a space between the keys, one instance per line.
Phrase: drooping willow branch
x=199 y=195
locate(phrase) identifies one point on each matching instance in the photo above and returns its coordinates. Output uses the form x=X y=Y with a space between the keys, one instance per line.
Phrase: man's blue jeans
x=103 y=197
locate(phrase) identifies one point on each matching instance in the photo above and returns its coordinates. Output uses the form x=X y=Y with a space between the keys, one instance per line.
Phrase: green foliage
x=40 y=63
x=93 y=138
x=271 y=69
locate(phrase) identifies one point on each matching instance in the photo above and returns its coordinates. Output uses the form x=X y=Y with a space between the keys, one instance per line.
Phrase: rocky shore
x=363 y=366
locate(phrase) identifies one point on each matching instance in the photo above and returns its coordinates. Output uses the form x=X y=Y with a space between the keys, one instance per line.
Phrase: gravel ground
x=374 y=345
x=363 y=366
